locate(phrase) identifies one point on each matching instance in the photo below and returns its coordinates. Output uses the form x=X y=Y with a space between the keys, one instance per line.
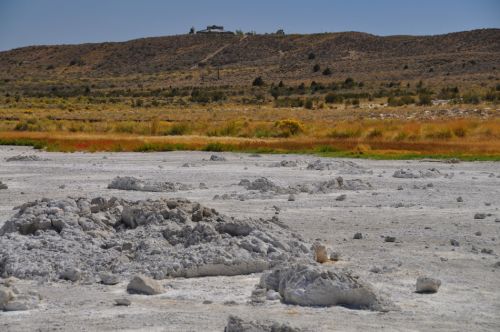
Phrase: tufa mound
x=158 y=238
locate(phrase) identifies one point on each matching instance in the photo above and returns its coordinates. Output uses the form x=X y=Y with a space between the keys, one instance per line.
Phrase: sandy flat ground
x=423 y=218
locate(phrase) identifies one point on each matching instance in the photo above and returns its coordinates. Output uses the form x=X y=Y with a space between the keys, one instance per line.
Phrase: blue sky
x=35 y=22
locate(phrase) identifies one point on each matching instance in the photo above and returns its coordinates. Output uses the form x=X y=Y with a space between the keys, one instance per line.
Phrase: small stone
x=480 y=216
x=460 y=199
x=427 y=285
x=341 y=197
x=207 y=302
x=478 y=233
x=320 y=253
x=487 y=251
x=390 y=239
x=335 y=256
x=357 y=236
x=5 y=296
x=497 y=220
x=217 y=158
x=143 y=285
x=454 y=243
x=109 y=279
x=291 y=198
x=122 y=302
x=272 y=295
x=375 y=269
x=16 y=305
x=400 y=187
x=71 y=274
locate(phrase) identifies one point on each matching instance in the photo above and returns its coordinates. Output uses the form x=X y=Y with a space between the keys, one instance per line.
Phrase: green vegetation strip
x=323 y=151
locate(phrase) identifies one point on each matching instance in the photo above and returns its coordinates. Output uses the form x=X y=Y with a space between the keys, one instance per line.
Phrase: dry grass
x=368 y=130
x=63 y=141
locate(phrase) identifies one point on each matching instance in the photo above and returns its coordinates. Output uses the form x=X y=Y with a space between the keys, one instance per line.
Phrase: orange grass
x=63 y=141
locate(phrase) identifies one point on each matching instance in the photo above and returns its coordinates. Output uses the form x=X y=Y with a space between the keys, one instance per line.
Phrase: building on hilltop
x=215 y=29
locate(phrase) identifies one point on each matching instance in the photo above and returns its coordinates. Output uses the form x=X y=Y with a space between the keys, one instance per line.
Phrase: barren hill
x=274 y=57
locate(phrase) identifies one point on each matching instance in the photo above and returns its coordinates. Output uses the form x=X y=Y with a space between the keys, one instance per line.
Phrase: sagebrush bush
x=288 y=127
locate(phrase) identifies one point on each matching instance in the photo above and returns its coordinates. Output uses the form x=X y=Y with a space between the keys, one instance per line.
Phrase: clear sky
x=35 y=22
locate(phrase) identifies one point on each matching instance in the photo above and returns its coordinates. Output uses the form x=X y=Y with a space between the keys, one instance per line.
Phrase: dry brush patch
x=352 y=147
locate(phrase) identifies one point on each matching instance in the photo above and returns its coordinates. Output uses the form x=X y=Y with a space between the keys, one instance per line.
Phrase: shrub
x=311 y=56
x=203 y=96
x=31 y=124
x=348 y=133
x=424 y=99
x=275 y=92
x=155 y=125
x=125 y=127
x=258 y=81
x=288 y=127
x=177 y=129
x=316 y=68
x=214 y=147
x=375 y=133
x=333 y=98
x=471 y=98
x=401 y=136
x=405 y=100
x=348 y=83
x=440 y=134
x=448 y=93
x=460 y=132
x=289 y=102
x=327 y=71
x=309 y=104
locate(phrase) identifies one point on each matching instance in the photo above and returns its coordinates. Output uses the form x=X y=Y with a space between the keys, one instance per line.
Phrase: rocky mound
x=215 y=157
x=329 y=186
x=285 y=163
x=319 y=165
x=25 y=158
x=312 y=285
x=3 y=185
x=236 y=324
x=265 y=185
x=131 y=183
x=78 y=238
x=416 y=174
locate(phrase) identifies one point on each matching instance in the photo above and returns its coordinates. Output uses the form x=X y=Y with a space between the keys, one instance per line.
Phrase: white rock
x=273 y=295
x=320 y=253
x=122 y=302
x=312 y=285
x=427 y=285
x=109 y=279
x=71 y=274
x=5 y=296
x=143 y=285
